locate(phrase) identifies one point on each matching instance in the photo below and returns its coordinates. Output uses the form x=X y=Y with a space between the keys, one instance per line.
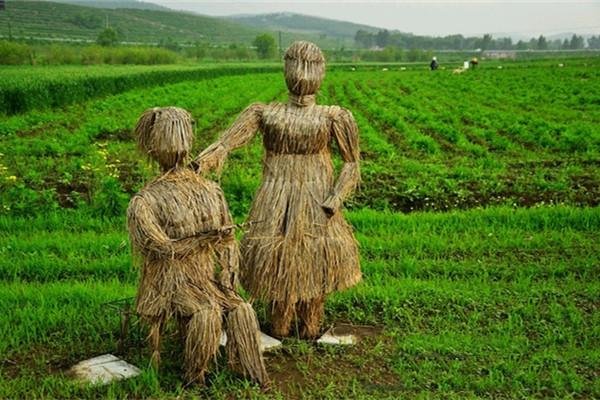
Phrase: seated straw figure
x=181 y=227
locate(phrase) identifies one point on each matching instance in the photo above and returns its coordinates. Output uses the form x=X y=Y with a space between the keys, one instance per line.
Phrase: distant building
x=500 y=54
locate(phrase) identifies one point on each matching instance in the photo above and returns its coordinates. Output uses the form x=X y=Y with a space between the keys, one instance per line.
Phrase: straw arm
x=237 y=135
x=345 y=133
x=228 y=256
x=150 y=239
x=346 y=183
x=228 y=252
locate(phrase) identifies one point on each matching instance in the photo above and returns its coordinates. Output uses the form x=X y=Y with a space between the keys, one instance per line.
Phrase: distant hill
x=340 y=32
x=145 y=22
x=44 y=19
x=114 y=4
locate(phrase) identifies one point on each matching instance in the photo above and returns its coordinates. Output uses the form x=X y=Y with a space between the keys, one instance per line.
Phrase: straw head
x=304 y=68
x=165 y=134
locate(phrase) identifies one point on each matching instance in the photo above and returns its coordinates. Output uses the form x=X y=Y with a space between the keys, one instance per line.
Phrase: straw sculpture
x=298 y=247
x=180 y=226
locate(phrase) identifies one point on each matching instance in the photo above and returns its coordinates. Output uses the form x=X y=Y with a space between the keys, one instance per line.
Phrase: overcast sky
x=526 y=18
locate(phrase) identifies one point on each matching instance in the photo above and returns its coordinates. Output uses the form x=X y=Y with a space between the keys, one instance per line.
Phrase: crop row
x=21 y=91
x=86 y=155
x=444 y=141
x=421 y=149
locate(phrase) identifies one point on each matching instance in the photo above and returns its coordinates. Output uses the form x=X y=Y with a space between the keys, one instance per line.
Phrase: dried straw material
x=165 y=135
x=304 y=68
x=298 y=246
x=243 y=343
x=181 y=227
x=310 y=313
x=202 y=341
x=282 y=315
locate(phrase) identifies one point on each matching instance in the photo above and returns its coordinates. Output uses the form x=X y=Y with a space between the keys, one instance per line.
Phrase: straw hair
x=304 y=68
x=180 y=226
x=165 y=135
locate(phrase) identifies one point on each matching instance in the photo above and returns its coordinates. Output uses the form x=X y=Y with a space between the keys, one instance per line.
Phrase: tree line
x=384 y=38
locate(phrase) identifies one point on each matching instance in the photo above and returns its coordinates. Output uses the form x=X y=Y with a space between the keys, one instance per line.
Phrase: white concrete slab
x=266 y=342
x=104 y=369
x=331 y=338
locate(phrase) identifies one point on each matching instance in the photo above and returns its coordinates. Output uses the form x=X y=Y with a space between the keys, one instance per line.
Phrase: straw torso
x=177 y=277
x=293 y=250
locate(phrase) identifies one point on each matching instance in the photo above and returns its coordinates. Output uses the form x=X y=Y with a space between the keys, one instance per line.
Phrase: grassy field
x=496 y=302
x=477 y=220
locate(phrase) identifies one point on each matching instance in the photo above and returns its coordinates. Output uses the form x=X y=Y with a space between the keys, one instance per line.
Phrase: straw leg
x=243 y=344
x=310 y=313
x=202 y=341
x=282 y=314
x=154 y=339
x=182 y=323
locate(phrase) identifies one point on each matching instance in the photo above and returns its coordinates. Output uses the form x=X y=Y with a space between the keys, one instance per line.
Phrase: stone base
x=331 y=338
x=266 y=342
x=346 y=334
x=104 y=369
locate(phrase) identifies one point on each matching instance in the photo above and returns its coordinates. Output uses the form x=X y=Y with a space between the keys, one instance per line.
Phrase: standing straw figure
x=180 y=225
x=298 y=247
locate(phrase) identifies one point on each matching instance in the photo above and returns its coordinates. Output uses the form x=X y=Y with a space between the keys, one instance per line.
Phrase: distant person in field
x=180 y=226
x=474 y=62
x=299 y=248
x=434 y=64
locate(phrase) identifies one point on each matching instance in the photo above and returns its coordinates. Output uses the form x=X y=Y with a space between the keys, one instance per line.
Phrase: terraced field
x=477 y=219
x=52 y=20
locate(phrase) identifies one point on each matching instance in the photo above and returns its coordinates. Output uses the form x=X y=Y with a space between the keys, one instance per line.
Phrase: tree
x=542 y=43
x=485 y=42
x=594 y=42
x=532 y=44
x=576 y=42
x=555 y=44
x=383 y=38
x=265 y=46
x=363 y=39
x=108 y=37
x=505 y=43
x=169 y=43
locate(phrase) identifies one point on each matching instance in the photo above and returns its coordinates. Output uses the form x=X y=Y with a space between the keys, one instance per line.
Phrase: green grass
x=496 y=302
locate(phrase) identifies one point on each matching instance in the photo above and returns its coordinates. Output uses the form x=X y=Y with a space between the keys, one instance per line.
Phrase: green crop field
x=477 y=219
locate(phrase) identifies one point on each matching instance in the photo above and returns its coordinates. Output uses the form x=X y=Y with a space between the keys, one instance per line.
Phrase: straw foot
x=282 y=315
x=310 y=313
